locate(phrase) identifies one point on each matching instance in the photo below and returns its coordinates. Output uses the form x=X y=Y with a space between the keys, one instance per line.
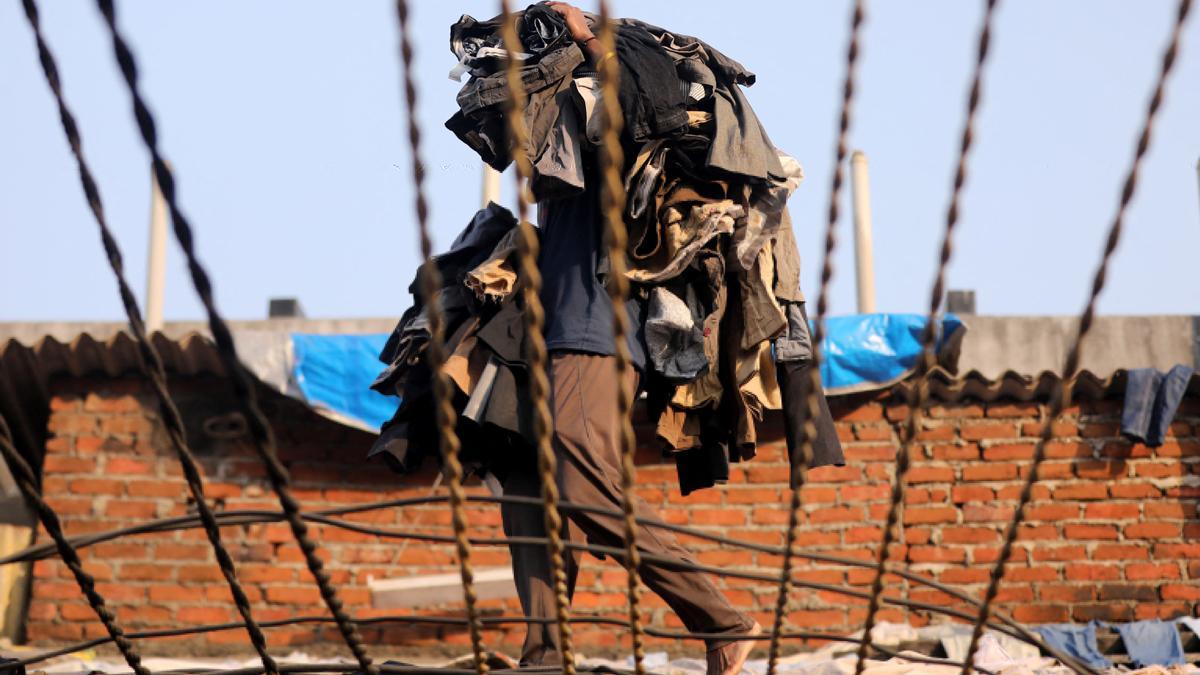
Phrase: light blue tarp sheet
x=861 y=352
x=335 y=372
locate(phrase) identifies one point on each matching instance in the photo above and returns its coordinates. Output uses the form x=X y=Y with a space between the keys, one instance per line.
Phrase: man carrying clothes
x=586 y=433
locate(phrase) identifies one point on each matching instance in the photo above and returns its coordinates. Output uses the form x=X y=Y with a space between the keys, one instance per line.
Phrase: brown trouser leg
x=586 y=442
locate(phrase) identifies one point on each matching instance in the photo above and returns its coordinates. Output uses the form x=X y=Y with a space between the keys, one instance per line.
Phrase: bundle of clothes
x=712 y=259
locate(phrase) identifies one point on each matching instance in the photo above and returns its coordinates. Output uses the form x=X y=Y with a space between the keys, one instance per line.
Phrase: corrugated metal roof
x=195 y=354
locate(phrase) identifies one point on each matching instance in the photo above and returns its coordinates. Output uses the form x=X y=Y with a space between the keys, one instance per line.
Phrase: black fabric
x=794 y=381
x=650 y=94
x=470 y=248
x=703 y=466
x=486 y=134
x=578 y=309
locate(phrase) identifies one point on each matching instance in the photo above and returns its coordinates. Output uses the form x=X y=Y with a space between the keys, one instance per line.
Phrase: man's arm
x=579 y=29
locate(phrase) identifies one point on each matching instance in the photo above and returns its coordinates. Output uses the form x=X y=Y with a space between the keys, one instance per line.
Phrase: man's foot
x=728 y=660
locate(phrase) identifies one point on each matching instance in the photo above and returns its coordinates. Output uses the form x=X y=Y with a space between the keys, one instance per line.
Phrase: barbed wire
x=243 y=383
x=812 y=408
x=435 y=351
x=149 y=360
x=1061 y=396
x=534 y=317
x=929 y=338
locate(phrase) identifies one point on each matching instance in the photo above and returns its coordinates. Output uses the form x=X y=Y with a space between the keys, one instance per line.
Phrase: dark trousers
x=586 y=441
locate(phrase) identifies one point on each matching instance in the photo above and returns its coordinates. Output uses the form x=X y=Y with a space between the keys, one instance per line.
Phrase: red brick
x=1187 y=551
x=1170 y=510
x=146 y=572
x=930 y=514
x=1190 y=593
x=978 y=431
x=1013 y=409
x=1081 y=491
x=1148 y=571
x=1111 y=511
x=931 y=474
x=1101 y=469
x=130 y=508
x=960 y=494
x=1090 y=572
x=1008 y=451
x=871 y=412
x=1041 y=613
x=865 y=493
x=1071 y=552
x=982 y=472
x=1159 y=469
x=204 y=615
x=127 y=466
x=1120 y=552
x=969 y=535
x=936 y=554
x=1152 y=530
x=1052 y=512
x=955 y=410
x=293 y=595
x=869 y=453
x=1090 y=531
x=835 y=474
x=66 y=464
x=1100 y=430
x=96 y=486
x=951 y=453
x=1125 y=490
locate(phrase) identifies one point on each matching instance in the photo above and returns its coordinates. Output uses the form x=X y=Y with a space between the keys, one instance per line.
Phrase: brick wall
x=1112 y=533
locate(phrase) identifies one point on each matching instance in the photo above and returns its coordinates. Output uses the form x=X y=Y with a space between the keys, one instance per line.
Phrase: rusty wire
x=243 y=383
x=929 y=337
x=456 y=621
x=612 y=196
x=534 y=318
x=812 y=408
x=1061 y=396
x=26 y=479
x=431 y=283
x=149 y=359
x=246 y=517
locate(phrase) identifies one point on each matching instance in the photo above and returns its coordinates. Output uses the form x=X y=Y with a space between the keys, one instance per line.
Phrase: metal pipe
x=156 y=262
x=864 y=264
x=491 y=186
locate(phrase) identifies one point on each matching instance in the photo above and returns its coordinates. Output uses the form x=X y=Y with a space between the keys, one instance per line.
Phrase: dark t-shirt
x=578 y=309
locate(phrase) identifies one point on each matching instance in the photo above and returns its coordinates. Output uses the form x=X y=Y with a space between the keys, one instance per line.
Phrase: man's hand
x=577 y=25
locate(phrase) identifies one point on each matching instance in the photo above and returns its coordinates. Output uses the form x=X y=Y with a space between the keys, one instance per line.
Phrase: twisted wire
x=1061 y=396
x=812 y=402
x=496 y=621
x=535 y=343
x=612 y=195
x=929 y=337
x=242 y=382
x=150 y=361
x=247 y=517
x=431 y=283
x=26 y=479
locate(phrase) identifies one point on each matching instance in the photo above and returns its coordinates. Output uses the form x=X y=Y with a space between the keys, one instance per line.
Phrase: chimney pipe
x=156 y=259
x=864 y=263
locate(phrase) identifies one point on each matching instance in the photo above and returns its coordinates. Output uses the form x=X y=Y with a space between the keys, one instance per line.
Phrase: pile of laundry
x=712 y=259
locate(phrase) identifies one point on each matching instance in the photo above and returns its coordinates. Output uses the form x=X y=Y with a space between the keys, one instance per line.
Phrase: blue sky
x=283 y=122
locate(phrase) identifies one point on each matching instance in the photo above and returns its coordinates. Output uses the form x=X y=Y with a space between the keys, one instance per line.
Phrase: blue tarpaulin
x=335 y=372
x=861 y=352
x=867 y=351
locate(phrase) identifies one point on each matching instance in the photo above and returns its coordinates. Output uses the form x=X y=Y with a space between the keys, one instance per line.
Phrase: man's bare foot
x=728 y=660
